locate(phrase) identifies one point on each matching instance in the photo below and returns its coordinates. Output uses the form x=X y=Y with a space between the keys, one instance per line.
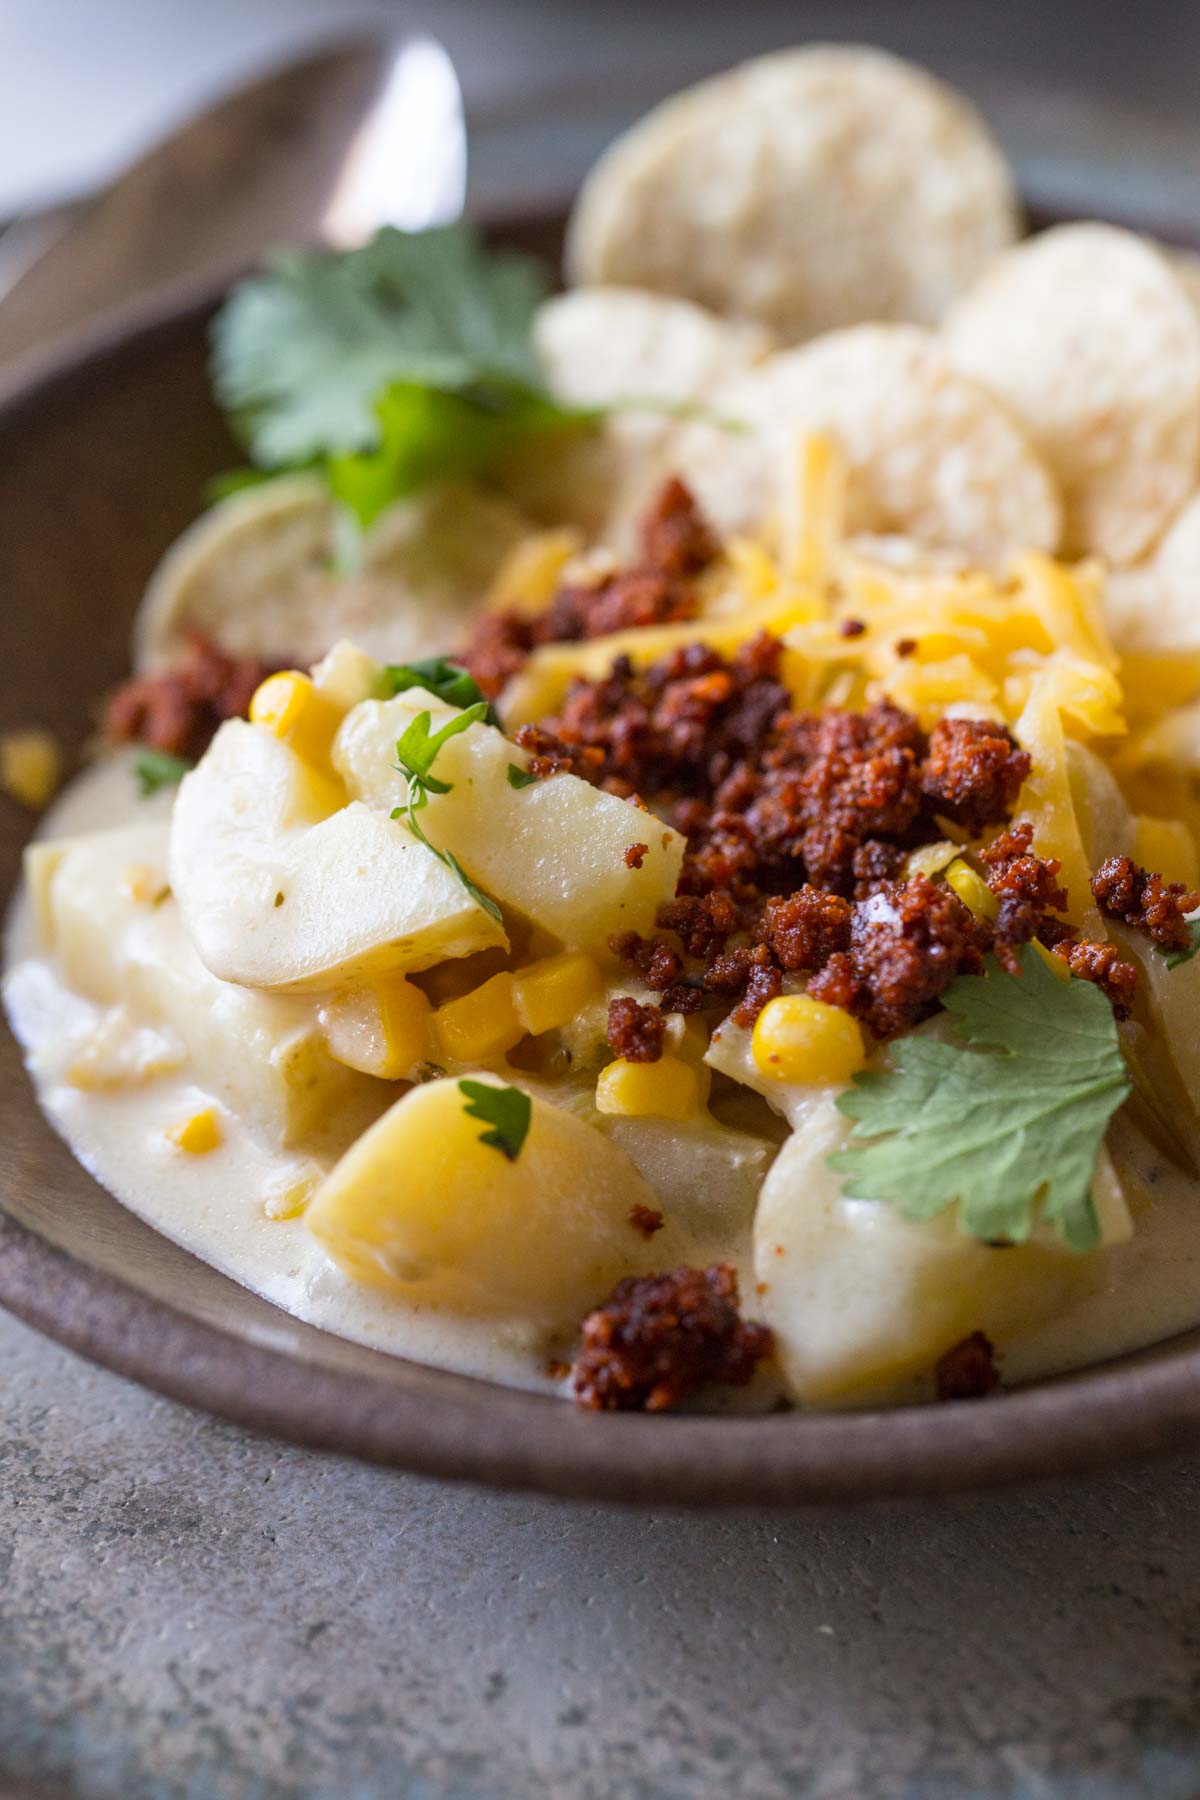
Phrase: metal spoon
x=328 y=148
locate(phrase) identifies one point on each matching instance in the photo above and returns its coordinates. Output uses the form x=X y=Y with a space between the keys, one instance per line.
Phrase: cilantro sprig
x=407 y=361
x=1008 y=1128
x=155 y=769
x=520 y=778
x=508 y=1110
x=441 y=676
x=416 y=751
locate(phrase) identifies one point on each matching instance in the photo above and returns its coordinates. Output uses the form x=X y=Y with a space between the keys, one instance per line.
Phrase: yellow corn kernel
x=798 y=1039
x=30 y=767
x=552 y=992
x=288 y=1193
x=480 y=1025
x=1168 y=848
x=199 y=1134
x=289 y=705
x=666 y=1089
x=972 y=890
x=382 y=1031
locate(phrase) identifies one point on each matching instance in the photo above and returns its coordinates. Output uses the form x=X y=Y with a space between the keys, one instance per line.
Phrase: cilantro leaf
x=507 y=1109
x=415 y=754
x=441 y=676
x=157 y=769
x=417 y=748
x=1175 y=957
x=437 y=675
x=426 y=434
x=520 y=778
x=302 y=351
x=1000 y=1128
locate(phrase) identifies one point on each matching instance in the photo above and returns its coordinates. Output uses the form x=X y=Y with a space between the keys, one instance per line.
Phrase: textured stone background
x=188 y=1611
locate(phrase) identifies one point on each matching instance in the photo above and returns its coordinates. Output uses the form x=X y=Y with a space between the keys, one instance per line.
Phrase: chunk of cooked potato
x=862 y=1300
x=554 y=850
x=121 y=943
x=282 y=887
x=423 y=1207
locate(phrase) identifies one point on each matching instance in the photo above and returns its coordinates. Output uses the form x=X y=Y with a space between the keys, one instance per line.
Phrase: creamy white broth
x=213 y=1205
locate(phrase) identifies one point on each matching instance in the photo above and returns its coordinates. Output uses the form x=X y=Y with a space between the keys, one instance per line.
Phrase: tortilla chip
x=929 y=454
x=1087 y=334
x=808 y=189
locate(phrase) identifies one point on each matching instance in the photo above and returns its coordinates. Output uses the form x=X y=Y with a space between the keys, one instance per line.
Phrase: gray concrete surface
x=188 y=1611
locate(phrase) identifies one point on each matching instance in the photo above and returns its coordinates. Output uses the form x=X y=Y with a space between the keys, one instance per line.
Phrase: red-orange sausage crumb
x=676 y=538
x=1101 y=963
x=635 y=1031
x=908 y=941
x=973 y=771
x=636 y=855
x=1124 y=890
x=646 y=1219
x=968 y=1370
x=178 y=709
x=659 y=1336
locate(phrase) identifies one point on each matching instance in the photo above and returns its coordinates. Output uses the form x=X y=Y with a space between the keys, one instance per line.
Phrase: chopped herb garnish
x=155 y=769
x=506 y=1109
x=1008 y=1129
x=439 y=676
x=1175 y=957
x=415 y=754
x=407 y=361
x=520 y=778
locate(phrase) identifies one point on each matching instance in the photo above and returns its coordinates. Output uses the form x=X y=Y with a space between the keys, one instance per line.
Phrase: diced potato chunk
x=553 y=851
x=422 y=1207
x=279 y=891
x=862 y=1300
x=261 y=1054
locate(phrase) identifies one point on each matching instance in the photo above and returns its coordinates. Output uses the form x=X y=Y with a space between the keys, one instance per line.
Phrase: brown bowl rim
x=503 y=1437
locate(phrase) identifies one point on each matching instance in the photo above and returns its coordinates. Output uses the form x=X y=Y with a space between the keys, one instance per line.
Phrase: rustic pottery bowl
x=103 y=456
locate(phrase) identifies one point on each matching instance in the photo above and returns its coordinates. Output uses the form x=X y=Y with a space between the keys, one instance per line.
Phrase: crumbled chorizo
x=1102 y=964
x=659 y=1336
x=1028 y=890
x=646 y=1219
x=968 y=1370
x=636 y=855
x=635 y=1031
x=548 y=755
x=804 y=929
x=676 y=537
x=908 y=941
x=676 y=544
x=178 y=709
x=973 y=772
x=1126 y=891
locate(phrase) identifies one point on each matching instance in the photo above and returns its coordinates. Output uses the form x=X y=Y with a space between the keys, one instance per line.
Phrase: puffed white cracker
x=809 y=189
x=1155 y=605
x=257 y=574
x=1086 y=332
x=604 y=344
x=930 y=455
